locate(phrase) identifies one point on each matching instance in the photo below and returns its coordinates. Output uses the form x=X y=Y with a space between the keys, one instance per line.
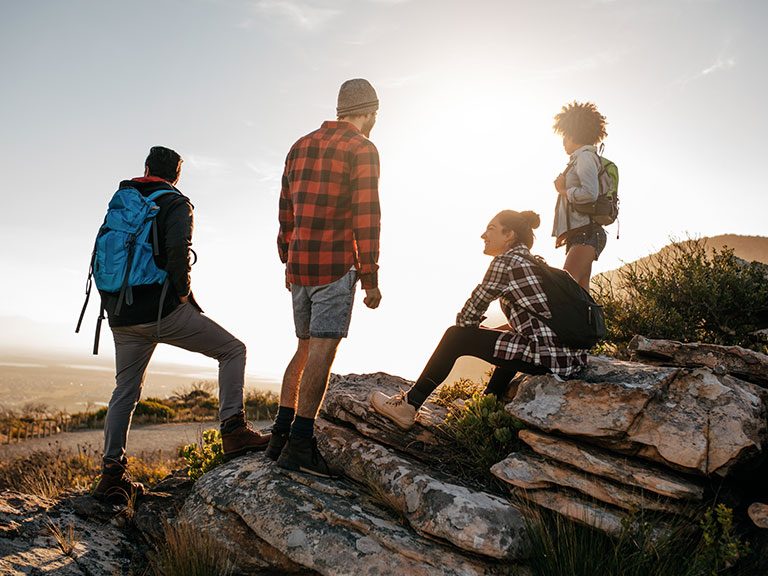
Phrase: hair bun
x=531 y=219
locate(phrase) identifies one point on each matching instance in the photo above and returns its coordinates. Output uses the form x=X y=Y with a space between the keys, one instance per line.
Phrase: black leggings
x=468 y=341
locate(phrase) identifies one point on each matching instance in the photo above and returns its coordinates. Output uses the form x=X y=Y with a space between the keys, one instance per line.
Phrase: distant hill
x=749 y=248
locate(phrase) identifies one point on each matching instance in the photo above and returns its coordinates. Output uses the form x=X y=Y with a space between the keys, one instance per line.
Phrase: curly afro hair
x=582 y=122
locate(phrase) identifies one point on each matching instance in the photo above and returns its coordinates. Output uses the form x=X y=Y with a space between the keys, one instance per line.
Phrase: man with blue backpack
x=141 y=264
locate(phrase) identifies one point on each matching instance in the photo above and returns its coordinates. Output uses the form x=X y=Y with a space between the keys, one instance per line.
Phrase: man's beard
x=368 y=126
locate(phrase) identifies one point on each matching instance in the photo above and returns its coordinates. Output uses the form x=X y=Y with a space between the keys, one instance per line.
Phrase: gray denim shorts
x=324 y=311
x=592 y=235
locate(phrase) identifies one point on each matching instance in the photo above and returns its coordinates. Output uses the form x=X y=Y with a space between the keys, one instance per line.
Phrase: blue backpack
x=123 y=255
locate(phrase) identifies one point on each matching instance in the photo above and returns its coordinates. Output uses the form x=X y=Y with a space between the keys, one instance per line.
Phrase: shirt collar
x=339 y=124
x=518 y=248
x=587 y=148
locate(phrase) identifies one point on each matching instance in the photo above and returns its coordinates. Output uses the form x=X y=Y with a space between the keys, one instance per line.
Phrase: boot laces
x=398 y=399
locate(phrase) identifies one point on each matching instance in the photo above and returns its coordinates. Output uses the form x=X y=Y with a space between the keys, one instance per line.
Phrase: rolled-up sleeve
x=494 y=283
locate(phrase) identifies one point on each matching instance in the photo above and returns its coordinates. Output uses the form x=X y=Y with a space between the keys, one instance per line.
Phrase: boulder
x=758 y=513
x=529 y=471
x=577 y=508
x=739 y=362
x=29 y=546
x=471 y=520
x=324 y=525
x=704 y=423
x=602 y=402
x=690 y=420
x=348 y=400
x=631 y=472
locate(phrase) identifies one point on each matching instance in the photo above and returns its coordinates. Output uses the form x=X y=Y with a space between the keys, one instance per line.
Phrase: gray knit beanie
x=356 y=97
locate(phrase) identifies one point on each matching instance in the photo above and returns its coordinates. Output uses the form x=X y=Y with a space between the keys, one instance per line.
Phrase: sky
x=468 y=92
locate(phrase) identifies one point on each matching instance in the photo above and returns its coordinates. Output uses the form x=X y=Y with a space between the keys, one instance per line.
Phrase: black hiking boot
x=117 y=488
x=238 y=438
x=302 y=455
x=276 y=445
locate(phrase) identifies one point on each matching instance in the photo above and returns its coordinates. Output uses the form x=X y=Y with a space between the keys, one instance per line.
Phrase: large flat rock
x=530 y=471
x=478 y=522
x=348 y=400
x=735 y=360
x=603 y=402
x=328 y=526
x=629 y=471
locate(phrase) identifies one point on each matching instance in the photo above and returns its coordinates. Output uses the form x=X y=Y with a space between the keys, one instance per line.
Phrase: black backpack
x=577 y=320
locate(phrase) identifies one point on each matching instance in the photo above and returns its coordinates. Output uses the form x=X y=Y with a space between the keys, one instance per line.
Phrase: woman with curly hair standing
x=582 y=128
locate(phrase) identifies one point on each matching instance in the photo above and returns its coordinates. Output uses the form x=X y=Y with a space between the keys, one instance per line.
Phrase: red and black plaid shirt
x=329 y=207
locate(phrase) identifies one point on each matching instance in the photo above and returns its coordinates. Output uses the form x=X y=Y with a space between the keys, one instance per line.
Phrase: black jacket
x=174 y=224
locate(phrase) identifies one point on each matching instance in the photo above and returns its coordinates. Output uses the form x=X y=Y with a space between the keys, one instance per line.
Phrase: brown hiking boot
x=302 y=455
x=238 y=438
x=117 y=488
x=276 y=445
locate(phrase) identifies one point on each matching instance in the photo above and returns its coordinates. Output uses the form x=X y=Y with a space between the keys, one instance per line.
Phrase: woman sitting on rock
x=525 y=344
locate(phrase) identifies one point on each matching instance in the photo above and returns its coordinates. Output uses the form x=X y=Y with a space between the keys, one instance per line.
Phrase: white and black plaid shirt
x=512 y=278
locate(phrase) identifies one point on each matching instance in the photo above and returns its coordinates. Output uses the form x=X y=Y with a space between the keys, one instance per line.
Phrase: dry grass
x=67 y=538
x=189 y=551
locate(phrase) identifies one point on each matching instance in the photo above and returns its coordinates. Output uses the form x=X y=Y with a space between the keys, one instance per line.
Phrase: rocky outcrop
x=325 y=525
x=735 y=360
x=624 y=435
x=347 y=401
x=617 y=437
x=28 y=543
x=477 y=522
x=691 y=420
x=628 y=471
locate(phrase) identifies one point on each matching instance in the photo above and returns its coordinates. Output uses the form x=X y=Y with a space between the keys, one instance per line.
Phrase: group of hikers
x=328 y=239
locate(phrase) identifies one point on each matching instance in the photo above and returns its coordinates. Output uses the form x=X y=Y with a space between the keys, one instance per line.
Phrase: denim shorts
x=324 y=311
x=591 y=235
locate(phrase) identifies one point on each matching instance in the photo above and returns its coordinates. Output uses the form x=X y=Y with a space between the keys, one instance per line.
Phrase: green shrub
x=261 y=405
x=645 y=547
x=462 y=389
x=721 y=547
x=203 y=458
x=686 y=294
x=153 y=408
x=485 y=433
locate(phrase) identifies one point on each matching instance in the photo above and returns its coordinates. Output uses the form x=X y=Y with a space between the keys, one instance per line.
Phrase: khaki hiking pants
x=187 y=328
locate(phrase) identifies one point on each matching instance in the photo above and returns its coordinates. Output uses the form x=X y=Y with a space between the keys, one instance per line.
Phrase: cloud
x=719 y=65
x=197 y=163
x=300 y=14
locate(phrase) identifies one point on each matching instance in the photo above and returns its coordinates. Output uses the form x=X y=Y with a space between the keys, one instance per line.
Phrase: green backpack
x=605 y=209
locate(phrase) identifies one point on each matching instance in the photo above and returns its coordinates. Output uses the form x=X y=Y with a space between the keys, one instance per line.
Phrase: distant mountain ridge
x=749 y=248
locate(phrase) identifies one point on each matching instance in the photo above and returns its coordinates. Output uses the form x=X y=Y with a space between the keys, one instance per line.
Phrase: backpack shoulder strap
x=156 y=194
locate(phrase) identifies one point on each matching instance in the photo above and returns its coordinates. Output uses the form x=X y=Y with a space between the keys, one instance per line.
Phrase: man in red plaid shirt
x=328 y=239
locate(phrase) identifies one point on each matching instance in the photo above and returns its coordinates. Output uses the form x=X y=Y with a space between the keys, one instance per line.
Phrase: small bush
x=688 y=294
x=153 y=408
x=205 y=457
x=485 y=432
x=261 y=405
x=645 y=546
x=462 y=389
x=721 y=547
x=189 y=551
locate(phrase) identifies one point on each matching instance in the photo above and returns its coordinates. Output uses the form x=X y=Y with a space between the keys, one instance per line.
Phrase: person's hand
x=372 y=298
x=287 y=284
x=560 y=184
